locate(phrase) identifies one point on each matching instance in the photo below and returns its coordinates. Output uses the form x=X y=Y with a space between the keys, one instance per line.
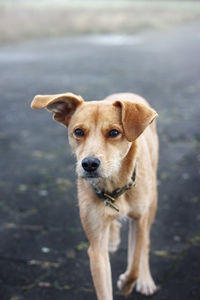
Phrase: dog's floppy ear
x=62 y=105
x=135 y=118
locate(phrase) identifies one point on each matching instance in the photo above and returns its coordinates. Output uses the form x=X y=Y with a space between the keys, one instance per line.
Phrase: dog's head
x=100 y=132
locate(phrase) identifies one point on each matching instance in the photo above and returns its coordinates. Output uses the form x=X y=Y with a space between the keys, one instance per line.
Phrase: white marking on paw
x=112 y=247
x=146 y=287
x=121 y=280
x=125 y=285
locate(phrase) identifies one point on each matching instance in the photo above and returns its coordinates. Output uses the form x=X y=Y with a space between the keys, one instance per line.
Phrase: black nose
x=90 y=164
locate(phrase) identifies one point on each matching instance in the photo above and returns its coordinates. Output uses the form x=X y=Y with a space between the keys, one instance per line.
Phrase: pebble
x=185 y=176
x=43 y=193
x=22 y=187
x=176 y=238
x=45 y=250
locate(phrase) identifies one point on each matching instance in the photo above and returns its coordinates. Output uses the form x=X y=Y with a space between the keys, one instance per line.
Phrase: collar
x=110 y=198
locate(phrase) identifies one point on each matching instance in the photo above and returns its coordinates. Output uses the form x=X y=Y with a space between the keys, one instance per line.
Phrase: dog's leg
x=114 y=236
x=97 y=230
x=131 y=241
x=145 y=283
x=137 y=230
x=100 y=266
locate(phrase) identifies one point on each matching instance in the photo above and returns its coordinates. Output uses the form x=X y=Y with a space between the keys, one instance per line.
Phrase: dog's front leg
x=137 y=232
x=101 y=271
x=97 y=230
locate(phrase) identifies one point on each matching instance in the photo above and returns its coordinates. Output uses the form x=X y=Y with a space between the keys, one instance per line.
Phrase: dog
x=116 y=146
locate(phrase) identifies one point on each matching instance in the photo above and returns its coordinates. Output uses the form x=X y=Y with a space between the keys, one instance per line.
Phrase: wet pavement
x=43 y=253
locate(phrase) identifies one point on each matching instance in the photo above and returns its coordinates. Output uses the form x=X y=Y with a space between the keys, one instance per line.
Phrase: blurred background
x=95 y=48
x=27 y=19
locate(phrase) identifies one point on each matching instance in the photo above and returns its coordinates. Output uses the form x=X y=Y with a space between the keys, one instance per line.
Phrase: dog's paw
x=146 y=287
x=125 y=285
x=113 y=247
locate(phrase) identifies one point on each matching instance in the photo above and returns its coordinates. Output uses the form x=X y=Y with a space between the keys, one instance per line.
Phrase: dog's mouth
x=89 y=175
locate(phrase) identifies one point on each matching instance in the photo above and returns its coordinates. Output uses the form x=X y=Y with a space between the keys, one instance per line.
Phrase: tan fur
x=137 y=143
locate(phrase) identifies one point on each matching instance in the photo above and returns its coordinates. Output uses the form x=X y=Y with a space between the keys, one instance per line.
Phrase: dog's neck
x=123 y=177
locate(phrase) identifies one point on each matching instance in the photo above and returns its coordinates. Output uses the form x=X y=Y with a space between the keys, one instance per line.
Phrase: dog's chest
x=130 y=205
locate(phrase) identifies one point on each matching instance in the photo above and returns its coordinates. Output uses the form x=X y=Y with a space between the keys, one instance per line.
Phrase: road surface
x=43 y=253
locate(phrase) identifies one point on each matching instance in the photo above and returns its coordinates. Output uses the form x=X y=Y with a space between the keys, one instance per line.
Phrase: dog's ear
x=62 y=105
x=135 y=118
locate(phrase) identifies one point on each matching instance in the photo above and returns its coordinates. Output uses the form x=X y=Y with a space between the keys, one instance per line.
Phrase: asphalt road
x=43 y=248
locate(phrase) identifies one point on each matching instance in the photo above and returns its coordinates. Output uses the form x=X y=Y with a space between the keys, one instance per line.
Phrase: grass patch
x=22 y=19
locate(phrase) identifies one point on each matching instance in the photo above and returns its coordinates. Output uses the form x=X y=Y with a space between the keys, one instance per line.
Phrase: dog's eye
x=79 y=132
x=113 y=133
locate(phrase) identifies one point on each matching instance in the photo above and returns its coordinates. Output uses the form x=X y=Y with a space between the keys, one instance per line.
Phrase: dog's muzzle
x=90 y=166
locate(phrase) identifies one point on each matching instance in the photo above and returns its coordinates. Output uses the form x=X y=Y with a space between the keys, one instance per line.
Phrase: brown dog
x=116 y=146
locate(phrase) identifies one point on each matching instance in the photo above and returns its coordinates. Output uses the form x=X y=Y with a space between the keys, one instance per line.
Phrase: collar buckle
x=109 y=201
